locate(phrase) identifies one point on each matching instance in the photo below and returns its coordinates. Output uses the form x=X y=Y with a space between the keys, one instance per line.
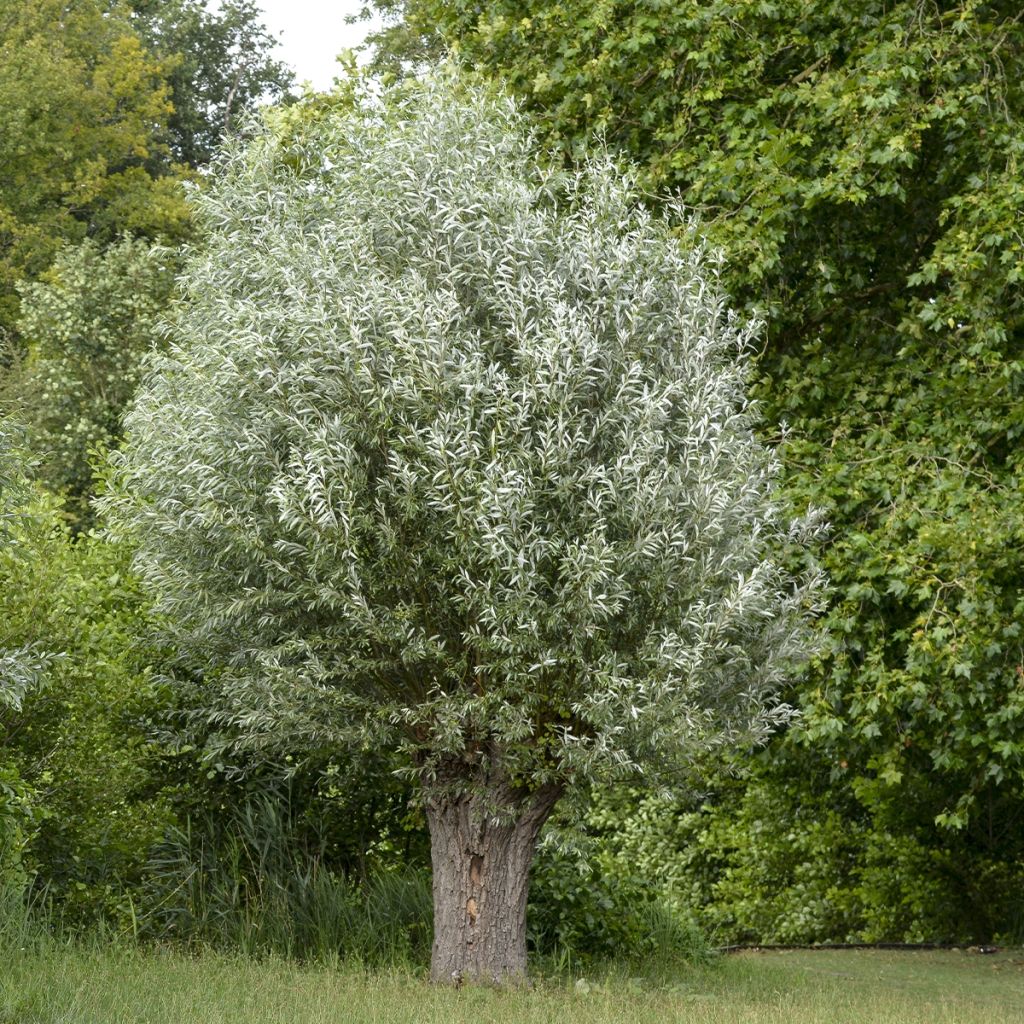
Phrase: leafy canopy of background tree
x=221 y=65
x=859 y=163
x=834 y=148
x=85 y=110
x=456 y=451
x=87 y=326
x=99 y=104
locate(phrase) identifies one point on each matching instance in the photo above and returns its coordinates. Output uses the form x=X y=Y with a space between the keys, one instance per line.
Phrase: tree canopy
x=221 y=65
x=85 y=109
x=87 y=326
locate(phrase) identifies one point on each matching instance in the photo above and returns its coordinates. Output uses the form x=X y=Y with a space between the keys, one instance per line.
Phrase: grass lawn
x=110 y=987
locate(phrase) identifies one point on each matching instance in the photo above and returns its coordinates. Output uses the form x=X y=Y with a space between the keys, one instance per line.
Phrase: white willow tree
x=454 y=452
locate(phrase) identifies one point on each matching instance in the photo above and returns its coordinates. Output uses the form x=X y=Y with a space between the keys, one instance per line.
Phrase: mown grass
x=73 y=985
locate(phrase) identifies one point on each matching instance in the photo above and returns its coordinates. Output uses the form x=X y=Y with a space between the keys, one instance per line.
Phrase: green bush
x=77 y=758
x=778 y=858
x=17 y=818
x=584 y=911
x=21 y=668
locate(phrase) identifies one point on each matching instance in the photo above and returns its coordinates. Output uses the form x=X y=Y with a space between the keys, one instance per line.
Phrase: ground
x=815 y=987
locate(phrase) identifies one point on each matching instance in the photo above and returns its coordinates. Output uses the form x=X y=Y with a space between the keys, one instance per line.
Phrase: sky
x=312 y=32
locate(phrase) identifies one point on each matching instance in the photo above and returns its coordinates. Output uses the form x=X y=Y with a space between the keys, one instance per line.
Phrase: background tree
x=857 y=161
x=87 y=326
x=220 y=65
x=102 y=101
x=455 y=453
x=859 y=164
x=85 y=109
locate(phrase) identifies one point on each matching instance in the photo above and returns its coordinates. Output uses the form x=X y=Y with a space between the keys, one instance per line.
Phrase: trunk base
x=481 y=867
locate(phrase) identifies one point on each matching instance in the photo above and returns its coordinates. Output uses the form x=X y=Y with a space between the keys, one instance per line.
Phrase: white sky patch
x=312 y=33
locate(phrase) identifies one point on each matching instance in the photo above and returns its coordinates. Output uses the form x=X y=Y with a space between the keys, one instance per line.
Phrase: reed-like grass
x=254 y=886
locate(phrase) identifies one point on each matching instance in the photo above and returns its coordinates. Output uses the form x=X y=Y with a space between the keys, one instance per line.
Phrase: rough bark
x=481 y=848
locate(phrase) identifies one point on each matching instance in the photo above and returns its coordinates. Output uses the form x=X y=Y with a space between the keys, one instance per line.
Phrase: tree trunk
x=481 y=848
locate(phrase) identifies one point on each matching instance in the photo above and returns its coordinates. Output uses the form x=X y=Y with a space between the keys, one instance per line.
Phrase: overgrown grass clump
x=256 y=883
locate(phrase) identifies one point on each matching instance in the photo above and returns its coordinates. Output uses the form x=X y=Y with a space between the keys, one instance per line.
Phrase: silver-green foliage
x=21 y=665
x=458 y=449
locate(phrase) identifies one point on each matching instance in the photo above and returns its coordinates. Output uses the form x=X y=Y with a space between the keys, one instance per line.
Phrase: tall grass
x=105 y=986
x=23 y=922
x=253 y=884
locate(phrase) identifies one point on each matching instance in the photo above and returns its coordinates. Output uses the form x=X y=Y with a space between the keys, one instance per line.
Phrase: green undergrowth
x=257 y=882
